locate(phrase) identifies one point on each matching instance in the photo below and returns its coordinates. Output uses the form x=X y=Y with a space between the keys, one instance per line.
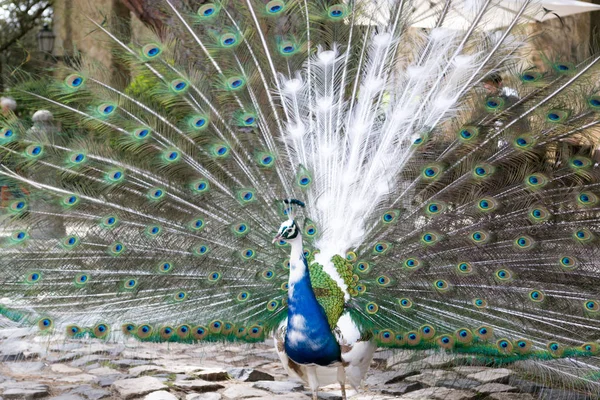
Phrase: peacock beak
x=277 y=238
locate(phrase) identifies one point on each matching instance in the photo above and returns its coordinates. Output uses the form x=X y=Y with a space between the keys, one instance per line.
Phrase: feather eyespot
x=248 y=254
x=363 y=266
x=228 y=40
x=144 y=331
x=484 y=332
x=591 y=306
x=151 y=50
x=214 y=276
x=45 y=324
x=19 y=236
x=248 y=120
x=524 y=242
x=412 y=263
x=337 y=11
x=215 y=326
x=390 y=216
x=201 y=250
x=590 y=348
x=405 y=303
x=557 y=116
x=538 y=214
x=580 y=163
x=594 y=102
x=504 y=346
x=523 y=142
x=435 y=208
x=153 y=230
x=287 y=48
x=130 y=283
x=240 y=229
x=70 y=201
x=482 y=171
x=115 y=176
x=199 y=332
x=372 y=308
x=183 y=331
x=413 y=338
x=220 y=150
x=236 y=83
x=196 y=224
x=381 y=248
x=18 y=206
x=165 y=267
x=166 y=332
x=430 y=238
x=179 y=85
x=522 y=346
x=73 y=330
x=74 y=81
x=530 y=76
x=116 y=248
x=587 y=199
x=441 y=285
x=503 y=275
x=494 y=103
x=479 y=303
x=427 y=332
x=479 y=237
x=70 y=242
x=272 y=305
x=6 y=134
x=562 y=67
x=275 y=7
x=207 y=11
x=468 y=134
x=568 y=262
x=34 y=277
x=431 y=172
x=487 y=204
x=268 y=274
x=537 y=296
x=82 y=280
x=101 y=331
x=555 y=349
x=464 y=335
x=255 y=331
x=583 y=235
x=34 y=151
x=445 y=341
x=383 y=281
x=464 y=268
x=106 y=109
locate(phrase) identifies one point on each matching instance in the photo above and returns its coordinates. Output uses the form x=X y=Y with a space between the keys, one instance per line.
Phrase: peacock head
x=288 y=231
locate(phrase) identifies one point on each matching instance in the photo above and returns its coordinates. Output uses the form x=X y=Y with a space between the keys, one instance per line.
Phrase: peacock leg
x=341 y=376
x=313 y=381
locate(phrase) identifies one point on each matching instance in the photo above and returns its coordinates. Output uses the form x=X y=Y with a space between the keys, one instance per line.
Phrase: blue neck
x=308 y=338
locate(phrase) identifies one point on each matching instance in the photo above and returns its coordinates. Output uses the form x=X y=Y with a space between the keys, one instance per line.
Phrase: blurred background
x=38 y=34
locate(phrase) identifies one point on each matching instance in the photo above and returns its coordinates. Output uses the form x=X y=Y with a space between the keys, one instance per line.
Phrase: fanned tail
x=468 y=219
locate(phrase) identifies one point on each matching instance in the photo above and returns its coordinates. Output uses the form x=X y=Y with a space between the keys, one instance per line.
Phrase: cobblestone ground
x=33 y=368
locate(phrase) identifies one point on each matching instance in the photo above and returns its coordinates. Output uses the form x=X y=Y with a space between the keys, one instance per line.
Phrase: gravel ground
x=34 y=368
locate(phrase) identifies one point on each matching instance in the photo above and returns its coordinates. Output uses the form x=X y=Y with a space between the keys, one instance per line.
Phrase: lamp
x=45 y=38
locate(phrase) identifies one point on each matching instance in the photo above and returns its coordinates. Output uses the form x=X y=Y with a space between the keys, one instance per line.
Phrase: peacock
x=316 y=171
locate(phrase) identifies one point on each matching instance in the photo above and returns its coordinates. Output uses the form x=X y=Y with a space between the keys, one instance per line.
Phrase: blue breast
x=308 y=339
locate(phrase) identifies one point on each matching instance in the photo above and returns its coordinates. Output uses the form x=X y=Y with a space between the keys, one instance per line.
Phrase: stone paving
x=33 y=368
